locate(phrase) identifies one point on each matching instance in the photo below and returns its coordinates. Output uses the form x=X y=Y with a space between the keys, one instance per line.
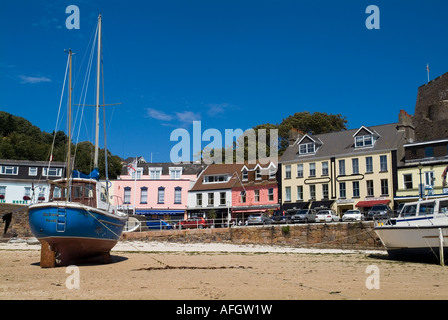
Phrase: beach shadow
x=404 y=258
x=93 y=261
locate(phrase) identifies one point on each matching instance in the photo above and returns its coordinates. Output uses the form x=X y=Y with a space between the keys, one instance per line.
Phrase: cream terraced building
x=350 y=169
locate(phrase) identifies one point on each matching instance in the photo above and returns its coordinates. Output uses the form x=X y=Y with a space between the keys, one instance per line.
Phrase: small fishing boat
x=420 y=231
x=78 y=221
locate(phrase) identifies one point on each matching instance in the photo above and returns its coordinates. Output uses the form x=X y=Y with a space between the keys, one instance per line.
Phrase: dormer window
x=307 y=148
x=364 y=138
x=363 y=141
x=245 y=175
x=308 y=145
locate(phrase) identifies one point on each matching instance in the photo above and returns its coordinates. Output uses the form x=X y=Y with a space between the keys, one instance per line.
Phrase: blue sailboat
x=78 y=221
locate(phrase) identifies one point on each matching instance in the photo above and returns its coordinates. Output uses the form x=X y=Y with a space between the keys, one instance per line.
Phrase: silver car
x=304 y=215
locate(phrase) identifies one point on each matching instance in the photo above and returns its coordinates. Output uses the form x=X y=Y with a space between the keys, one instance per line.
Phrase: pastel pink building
x=257 y=191
x=157 y=190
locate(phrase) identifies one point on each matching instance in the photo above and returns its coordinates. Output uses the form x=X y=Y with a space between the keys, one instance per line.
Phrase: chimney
x=405 y=124
x=294 y=134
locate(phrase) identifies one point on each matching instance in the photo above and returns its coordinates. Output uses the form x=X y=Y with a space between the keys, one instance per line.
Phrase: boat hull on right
x=418 y=233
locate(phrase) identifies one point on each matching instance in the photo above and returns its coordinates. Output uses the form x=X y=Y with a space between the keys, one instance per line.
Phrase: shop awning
x=371 y=203
x=159 y=212
x=323 y=203
x=295 y=205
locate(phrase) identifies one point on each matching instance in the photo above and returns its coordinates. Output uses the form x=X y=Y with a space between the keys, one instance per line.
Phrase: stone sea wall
x=358 y=235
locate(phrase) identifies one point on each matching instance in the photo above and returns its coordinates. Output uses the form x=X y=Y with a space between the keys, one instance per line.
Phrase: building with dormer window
x=351 y=169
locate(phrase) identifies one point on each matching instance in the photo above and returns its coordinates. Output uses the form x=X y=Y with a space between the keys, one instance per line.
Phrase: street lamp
x=420 y=189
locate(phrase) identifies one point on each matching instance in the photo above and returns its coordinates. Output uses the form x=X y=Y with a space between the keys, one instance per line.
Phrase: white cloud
x=158 y=115
x=28 y=79
x=218 y=109
x=188 y=116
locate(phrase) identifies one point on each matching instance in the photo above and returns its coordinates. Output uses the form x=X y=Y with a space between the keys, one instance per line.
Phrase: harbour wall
x=354 y=235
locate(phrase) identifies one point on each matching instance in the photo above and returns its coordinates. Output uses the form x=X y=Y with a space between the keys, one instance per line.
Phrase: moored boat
x=78 y=221
x=420 y=231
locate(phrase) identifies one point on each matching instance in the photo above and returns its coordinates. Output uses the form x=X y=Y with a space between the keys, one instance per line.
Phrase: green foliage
x=20 y=140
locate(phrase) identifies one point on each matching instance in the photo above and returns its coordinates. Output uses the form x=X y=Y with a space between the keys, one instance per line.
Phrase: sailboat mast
x=69 y=156
x=97 y=120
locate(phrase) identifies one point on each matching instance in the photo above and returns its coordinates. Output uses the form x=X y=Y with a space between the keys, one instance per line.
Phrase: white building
x=24 y=182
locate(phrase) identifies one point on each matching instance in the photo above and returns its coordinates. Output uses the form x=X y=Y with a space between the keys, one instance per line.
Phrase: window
x=355 y=185
x=384 y=187
x=3 y=191
x=271 y=194
x=199 y=199
x=52 y=172
x=143 y=195
x=355 y=165
x=383 y=163
x=32 y=171
x=300 y=170
x=222 y=198
x=11 y=170
x=299 y=192
x=409 y=210
x=307 y=148
x=429 y=152
x=245 y=175
x=272 y=173
x=342 y=167
x=177 y=195
x=215 y=179
x=161 y=195
x=363 y=141
x=27 y=192
x=137 y=174
x=287 y=193
x=369 y=188
x=312 y=169
x=342 y=190
x=256 y=195
x=407 y=181
x=258 y=173
x=312 y=192
x=127 y=195
x=288 y=172
x=243 y=196
x=211 y=199
x=155 y=173
x=175 y=173
x=429 y=178
x=325 y=168
x=325 y=191
x=426 y=208
x=369 y=164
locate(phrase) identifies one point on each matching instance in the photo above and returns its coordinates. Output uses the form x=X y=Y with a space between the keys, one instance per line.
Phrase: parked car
x=259 y=218
x=158 y=224
x=280 y=216
x=304 y=215
x=379 y=211
x=326 y=216
x=192 y=223
x=353 y=215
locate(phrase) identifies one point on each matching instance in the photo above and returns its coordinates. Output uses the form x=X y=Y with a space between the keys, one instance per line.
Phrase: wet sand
x=221 y=274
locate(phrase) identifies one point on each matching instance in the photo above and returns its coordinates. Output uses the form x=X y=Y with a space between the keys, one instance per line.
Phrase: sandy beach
x=168 y=271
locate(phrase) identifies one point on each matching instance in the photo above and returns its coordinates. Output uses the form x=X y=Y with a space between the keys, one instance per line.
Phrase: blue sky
x=228 y=63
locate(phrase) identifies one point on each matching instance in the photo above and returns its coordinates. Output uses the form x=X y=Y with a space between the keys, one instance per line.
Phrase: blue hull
x=74 y=232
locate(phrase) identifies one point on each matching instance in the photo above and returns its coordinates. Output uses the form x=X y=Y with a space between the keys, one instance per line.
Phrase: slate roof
x=188 y=168
x=341 y=144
